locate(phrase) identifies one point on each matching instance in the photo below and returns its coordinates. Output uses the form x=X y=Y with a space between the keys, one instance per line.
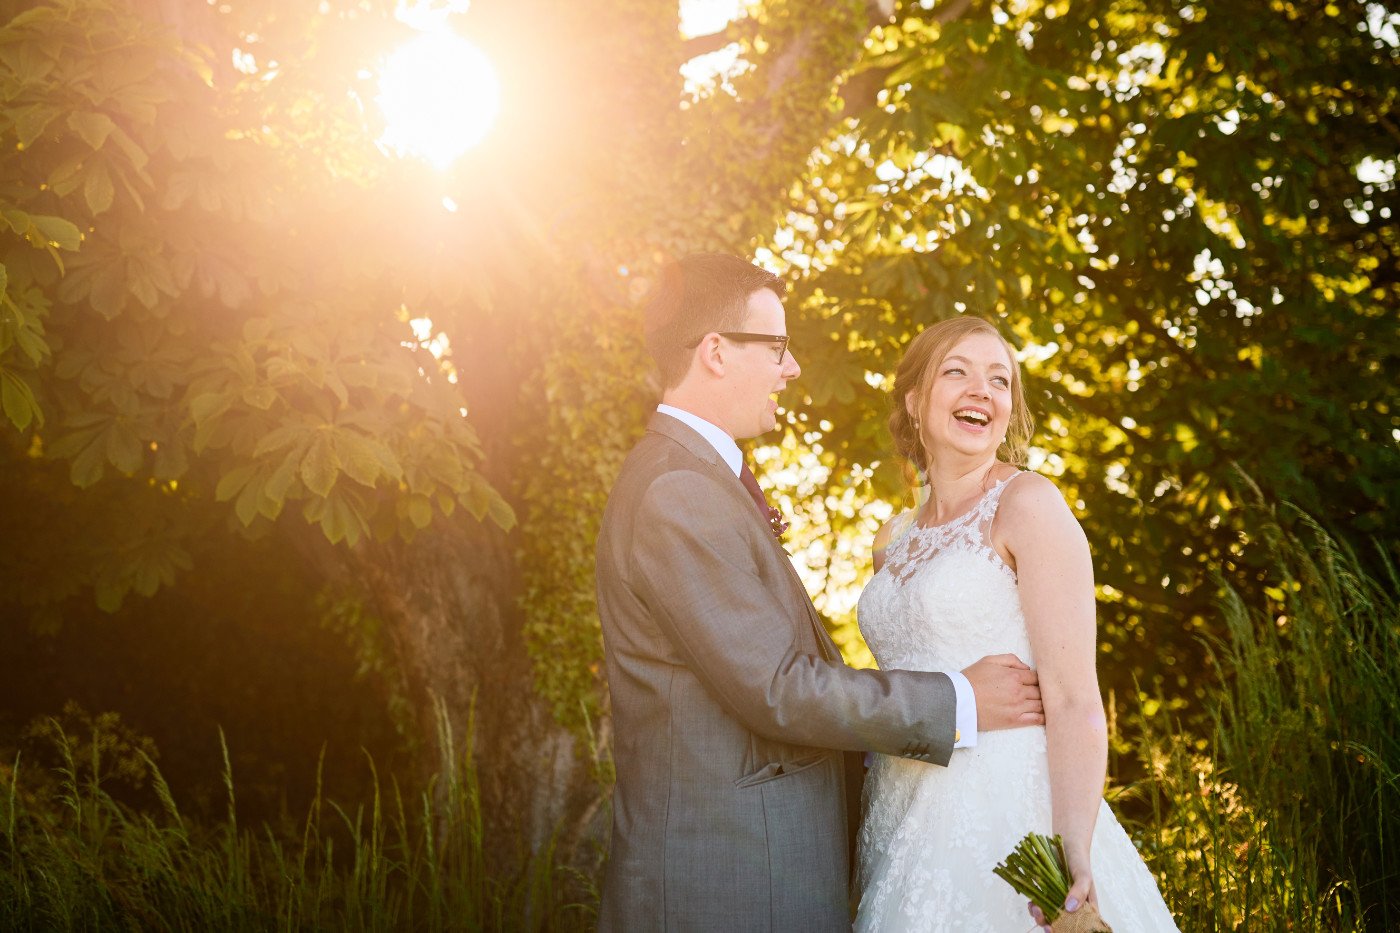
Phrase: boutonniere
x=775 y=521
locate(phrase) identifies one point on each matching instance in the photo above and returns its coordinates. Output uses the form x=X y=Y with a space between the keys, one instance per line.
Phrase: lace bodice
x=944 y=597
x=930 y=836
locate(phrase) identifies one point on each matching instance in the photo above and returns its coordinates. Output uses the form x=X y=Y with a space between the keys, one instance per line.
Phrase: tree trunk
x=448 y=600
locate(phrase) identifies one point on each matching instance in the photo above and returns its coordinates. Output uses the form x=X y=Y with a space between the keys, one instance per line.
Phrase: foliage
x=1184 y=216
x=566 y=494
x=245 y=338
x=1289 y=817
x=222 y=300
x=223 y=311
x=1208 y=844
x=73 y=858
x=1313 y=705
x=194 y=324
x=699 y=171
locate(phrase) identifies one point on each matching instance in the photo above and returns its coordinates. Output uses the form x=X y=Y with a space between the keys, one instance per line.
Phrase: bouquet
x=1038 y=870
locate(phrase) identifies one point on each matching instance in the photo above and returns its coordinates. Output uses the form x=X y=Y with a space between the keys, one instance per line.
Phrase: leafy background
x=292 y=451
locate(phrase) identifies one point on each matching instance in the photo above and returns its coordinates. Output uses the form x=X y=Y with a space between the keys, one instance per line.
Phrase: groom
x=731 y=706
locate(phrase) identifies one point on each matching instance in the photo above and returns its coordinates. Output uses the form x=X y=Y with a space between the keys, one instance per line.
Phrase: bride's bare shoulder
x=1030 y=488
x=1032 y=504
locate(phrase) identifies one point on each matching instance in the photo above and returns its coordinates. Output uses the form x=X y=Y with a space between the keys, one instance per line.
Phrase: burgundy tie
x=770 y=514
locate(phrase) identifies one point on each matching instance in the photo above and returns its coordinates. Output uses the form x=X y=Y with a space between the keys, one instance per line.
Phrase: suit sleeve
x=698 y=573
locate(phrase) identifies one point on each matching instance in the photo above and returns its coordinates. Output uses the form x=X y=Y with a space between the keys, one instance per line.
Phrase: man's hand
x=1007 y=692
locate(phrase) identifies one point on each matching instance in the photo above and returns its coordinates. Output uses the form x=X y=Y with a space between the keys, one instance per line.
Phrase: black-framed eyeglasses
x=780 y=341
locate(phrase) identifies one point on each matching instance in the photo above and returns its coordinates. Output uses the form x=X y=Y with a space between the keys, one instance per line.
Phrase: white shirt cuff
x=966 y=722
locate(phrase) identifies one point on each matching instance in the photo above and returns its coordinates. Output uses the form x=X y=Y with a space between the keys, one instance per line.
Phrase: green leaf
x=18 y=401
x=476 y=496
x=109 y=594
x=334 y=383
x=280 y=482
x=94 y=128
x=285 y=436
x=108 y=294
x=31 y=123
x=87 y=467
x=353 y=519
x=250 y=499
x=260 y=397
x=67 y=175
x=356 y=458
x=339 y=516
x=124 y=448
x=32 y=62
x=444 y=466
x=208 y=406
x=501 y=512
x=17 y=219
x=420 y=511
x=134 y=152
x=914 y=66
x=232 y=481
x=364 y=458
x=57 y=232
x=98 y=189
x=320 y=465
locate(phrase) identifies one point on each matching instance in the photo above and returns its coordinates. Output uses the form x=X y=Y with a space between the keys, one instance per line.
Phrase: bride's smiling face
x=968 y=405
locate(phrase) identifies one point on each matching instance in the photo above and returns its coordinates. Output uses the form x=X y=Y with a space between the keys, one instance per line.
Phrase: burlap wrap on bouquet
x=1084 y=920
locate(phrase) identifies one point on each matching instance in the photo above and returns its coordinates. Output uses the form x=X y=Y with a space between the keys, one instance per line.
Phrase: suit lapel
x=705 y=452
x=682 y=434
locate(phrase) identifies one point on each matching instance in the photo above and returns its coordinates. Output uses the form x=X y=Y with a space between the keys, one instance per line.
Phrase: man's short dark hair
x=695 y=296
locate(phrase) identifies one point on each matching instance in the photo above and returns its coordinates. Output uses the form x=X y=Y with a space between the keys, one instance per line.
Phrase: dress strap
x=994 y=494
x=987 y=508
x=900 y=525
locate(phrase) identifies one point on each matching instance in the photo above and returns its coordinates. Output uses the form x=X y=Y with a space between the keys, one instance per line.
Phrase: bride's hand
x=1082 y=891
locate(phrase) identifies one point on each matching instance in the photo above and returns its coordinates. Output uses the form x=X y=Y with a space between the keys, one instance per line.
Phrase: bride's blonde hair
x=916 y=373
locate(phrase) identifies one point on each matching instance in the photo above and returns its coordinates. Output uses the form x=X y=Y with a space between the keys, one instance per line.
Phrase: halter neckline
x=973 y=509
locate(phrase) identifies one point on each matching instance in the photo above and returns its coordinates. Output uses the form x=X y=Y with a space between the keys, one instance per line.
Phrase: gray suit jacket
x=728 y=701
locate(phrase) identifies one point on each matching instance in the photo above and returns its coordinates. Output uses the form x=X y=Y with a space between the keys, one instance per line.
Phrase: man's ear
x=710 y=355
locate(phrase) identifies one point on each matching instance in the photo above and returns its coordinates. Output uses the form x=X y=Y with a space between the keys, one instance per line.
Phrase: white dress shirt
x=719 y=439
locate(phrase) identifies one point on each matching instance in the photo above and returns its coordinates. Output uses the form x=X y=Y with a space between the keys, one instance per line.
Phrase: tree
x=1176 y=213
x=211 y=294
x=212 y=279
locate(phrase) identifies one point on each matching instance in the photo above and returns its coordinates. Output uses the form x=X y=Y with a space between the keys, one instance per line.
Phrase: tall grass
x=74 y=858
x=1289 y=818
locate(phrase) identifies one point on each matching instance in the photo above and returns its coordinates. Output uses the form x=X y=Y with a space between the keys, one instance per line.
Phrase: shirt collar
x=718 y=438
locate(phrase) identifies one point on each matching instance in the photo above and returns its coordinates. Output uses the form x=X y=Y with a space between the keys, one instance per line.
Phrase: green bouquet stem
x=1038 y=870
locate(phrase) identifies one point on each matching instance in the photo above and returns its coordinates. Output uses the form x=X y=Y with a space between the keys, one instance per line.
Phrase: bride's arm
x=1055 y=578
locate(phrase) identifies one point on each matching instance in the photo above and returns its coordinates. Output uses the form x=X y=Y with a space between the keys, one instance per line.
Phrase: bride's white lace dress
x=931 y=835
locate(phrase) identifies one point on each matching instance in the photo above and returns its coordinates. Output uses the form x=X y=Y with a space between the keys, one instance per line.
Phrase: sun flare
x=439 y=95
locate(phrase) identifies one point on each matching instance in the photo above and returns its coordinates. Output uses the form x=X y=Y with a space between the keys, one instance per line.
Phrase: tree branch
x=862 y=90
x=951 y=12
x=737 y=31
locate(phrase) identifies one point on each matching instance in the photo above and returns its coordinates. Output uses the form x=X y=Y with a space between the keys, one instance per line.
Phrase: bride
x=993 y=562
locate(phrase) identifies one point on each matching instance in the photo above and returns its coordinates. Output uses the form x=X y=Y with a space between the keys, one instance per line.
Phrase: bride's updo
x=916 y=373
